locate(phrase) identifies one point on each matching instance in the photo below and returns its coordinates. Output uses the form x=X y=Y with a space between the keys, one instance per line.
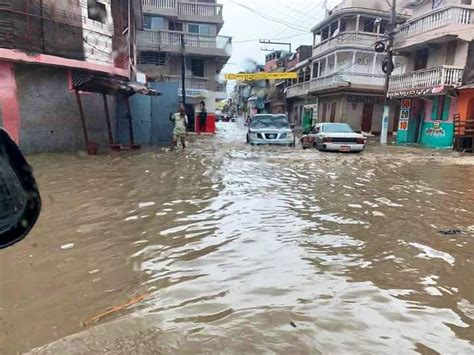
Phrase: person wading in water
x=180 y=128
x=203 y=117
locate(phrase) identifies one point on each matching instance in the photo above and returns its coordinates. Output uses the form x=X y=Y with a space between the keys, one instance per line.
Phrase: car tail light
x=327 y=140
x=360 y=141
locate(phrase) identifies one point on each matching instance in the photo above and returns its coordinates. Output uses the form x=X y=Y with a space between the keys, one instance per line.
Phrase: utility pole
x=183 y=71
x=390 y=67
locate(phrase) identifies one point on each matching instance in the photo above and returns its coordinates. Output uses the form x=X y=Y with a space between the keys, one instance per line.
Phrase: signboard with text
x=261 y=76
x=404 y=115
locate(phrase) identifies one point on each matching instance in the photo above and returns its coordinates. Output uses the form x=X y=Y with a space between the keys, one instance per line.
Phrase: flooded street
x=235 y=249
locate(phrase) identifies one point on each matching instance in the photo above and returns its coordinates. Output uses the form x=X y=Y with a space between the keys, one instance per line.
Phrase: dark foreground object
x=20 y=202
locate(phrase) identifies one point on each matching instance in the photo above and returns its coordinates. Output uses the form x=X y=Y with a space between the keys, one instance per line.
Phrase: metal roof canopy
x=87 y=82
x=110 y=86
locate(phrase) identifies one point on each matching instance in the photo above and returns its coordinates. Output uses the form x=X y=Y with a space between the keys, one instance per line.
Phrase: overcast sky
x=247 y=27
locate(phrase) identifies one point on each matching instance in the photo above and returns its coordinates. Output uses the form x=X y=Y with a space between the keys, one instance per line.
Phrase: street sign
x=261 y=76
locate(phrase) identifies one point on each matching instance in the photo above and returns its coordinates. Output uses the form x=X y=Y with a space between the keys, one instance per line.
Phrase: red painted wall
x=465 y=105
x=210 y=123
x=8 y=101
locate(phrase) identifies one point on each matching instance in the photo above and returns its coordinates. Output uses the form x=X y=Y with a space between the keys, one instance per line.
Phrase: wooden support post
x=83 y=120
x=107 y=119
x=130 y=121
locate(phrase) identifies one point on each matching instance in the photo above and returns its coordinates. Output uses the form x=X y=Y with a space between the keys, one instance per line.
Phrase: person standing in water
x=202 y=117
x=180 y=121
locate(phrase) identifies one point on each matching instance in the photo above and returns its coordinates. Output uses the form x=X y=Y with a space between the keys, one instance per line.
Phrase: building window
x=307 y=74
x=383 y=26
x=155 y=58
x=421 y=59
x=96 y=11
x=324 y=34
x=197 y=67
x=333 y=29
x=175 y=26
x=343 y=25
x=369 y=24
x=204 y=30
x=155 y=23
x=315 y=70
x=466 y=2
x=300 y=76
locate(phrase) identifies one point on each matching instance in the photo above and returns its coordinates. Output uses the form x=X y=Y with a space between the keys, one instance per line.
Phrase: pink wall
x=8 y=101
x=269 y=66
x=428 y=110
x=454 y=108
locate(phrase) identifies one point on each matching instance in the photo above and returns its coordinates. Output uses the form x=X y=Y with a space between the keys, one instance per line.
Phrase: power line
x=270 y=18
x=307 y=10
x=280 y=38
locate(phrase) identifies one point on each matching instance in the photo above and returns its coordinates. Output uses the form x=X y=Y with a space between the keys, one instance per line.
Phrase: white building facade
x=206 y=52
x=343 y=81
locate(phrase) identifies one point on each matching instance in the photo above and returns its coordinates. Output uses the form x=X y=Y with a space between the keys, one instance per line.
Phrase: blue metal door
x=161 y=108
x=140 y=106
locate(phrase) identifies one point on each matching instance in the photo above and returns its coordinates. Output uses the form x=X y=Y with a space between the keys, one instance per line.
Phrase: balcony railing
x=162 y=4
x=300 y=89
x=194 y=83
x=436 y=19
x=211 y=12
x=157 y=38
x=346 y=38
x=335 y=80
x=427 y=79
x=200 y=9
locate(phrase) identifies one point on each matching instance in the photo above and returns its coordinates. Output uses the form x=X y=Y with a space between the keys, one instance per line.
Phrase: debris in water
x=67 y=246
x=92 y=272
x=146 y=204
x=115 y=309
x=293 y=324
x=450 y=232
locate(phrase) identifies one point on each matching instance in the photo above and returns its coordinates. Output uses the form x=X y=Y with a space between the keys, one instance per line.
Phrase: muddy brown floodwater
x=246 y=250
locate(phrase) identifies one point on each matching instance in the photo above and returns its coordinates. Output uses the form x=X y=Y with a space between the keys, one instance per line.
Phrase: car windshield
x=337 y=128
x=270 y=122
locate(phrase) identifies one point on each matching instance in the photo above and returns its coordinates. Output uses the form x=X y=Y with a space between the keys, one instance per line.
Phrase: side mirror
x=20 y=202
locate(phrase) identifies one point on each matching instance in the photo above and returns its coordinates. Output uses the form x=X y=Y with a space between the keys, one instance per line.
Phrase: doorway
x=421 y=59
x=419 y=116
x=197 y=67
x=367 y=117
x=325 y=110
x=333 y=112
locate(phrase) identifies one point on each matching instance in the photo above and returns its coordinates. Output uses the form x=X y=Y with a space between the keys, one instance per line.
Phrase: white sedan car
x=334 y=137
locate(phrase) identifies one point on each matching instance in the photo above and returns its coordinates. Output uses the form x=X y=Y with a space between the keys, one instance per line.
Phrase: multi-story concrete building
x=49 y=51
x=435 y=43
x=160 y=45
x=343 y=81
x=275 y=101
